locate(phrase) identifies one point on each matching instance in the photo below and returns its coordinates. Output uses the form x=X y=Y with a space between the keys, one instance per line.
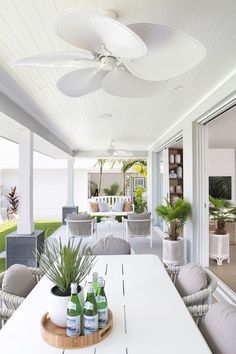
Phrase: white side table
x=219 y=247
x=109 y=222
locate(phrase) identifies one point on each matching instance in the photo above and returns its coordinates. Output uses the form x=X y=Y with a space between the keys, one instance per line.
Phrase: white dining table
x=149 y=316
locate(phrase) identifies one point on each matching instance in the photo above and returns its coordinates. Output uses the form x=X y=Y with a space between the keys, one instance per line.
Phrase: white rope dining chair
x=10 y=302
x=217 y=323
x=199 y=297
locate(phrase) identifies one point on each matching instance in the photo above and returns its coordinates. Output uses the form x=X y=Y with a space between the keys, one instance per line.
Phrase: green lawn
x=49 y=226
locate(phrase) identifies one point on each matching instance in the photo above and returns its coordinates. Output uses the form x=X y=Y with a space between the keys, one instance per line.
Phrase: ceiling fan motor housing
x=108 y=63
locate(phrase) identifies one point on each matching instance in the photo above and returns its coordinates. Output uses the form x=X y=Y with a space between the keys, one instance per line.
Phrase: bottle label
x=100 y=299
x=71 y=306
x=88 y=305
x=73 y=326
x=90 y=324
x=102 y=317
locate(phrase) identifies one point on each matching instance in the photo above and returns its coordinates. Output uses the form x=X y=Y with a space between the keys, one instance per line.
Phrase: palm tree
x=127 y=164
x=100 y=163
x=175 y=215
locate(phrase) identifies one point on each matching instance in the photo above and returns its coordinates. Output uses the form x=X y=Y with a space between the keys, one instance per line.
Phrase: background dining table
x=149 y=316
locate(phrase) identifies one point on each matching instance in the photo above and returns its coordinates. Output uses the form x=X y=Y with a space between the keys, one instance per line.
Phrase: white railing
x=111 y=199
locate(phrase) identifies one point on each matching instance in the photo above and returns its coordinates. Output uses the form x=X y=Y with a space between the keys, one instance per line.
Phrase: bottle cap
x=100 y=281
x=90 y=287
x=95 y=275
x=74 y=287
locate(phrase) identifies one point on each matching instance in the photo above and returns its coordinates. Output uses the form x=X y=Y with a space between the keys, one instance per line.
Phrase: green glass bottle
x=95 y=283
x=74 y=313
x=102 y=304
x=90 y=312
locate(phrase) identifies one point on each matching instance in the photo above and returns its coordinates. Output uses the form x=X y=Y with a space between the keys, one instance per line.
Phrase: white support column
x=70 y=181
x=188 y=172
x=25 y=223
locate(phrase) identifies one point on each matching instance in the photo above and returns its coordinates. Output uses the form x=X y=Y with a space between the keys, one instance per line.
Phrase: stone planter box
x=68 y=210
x=173 y=251
x=21 y=249
x=219 y=247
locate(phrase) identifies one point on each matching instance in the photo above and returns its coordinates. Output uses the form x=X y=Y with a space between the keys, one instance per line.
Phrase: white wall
x=108 y=179
x=222 y=163
x=81 y=190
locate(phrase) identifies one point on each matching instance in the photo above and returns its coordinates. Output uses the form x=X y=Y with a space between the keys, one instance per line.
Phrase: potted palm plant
x=64 y=265
x=222 y=211
x=175 y=215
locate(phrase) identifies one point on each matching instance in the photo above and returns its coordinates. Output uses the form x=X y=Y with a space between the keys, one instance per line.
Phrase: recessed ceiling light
x=105 y=115
x=179 y=87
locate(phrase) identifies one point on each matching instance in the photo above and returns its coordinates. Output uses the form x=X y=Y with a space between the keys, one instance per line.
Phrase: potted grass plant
x=222 y=211
x=64 y=265
x=175 y=215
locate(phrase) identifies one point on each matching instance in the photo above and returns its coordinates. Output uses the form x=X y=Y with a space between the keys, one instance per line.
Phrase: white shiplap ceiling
x=27 y=28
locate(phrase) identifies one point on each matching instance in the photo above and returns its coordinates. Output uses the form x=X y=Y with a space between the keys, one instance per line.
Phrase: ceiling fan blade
x=91 y=31
x=122 y=153
x=62 y=59
x=170 y=52
x=81 y=82
x=123 y=84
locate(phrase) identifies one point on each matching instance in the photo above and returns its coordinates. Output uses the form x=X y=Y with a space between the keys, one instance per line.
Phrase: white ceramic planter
x=57 y=307
x=173 y=251
x=219 y=247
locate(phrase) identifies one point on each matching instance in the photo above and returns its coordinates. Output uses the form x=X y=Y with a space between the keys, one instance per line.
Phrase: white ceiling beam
x=95 y=155
x=14 y=111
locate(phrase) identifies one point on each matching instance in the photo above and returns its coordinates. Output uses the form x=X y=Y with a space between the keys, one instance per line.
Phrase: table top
x=148 y=313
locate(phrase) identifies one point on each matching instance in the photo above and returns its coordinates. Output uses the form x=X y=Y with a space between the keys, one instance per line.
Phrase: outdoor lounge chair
x=138 y=225
x=81 y=227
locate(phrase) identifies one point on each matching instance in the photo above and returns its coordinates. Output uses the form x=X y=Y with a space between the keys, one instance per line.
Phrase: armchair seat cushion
x=191 y=279
x=81 y=216
x=110 y=246
x=18 y=280
x=219 y=328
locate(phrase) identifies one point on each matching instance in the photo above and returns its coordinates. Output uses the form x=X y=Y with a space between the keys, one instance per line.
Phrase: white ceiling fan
x=126 y=61
x=111 y=151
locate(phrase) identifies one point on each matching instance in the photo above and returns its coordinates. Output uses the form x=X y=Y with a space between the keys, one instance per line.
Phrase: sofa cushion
x=94 y=207
x=118 y=206
x=219 y=328
x=110 y=246
x=103 y=206
x=191 y=279
x=81 y=216
x=18 y=280
x=128 y=207
x=139 y=228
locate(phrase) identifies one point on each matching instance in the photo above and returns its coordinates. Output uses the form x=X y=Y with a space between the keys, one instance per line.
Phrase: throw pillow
x=128 y=207
x=118 y=206
x=18 y=280
x=110 y=246
x=94 y=207
x=191 y=279
x=219 y=328
x=103 y=207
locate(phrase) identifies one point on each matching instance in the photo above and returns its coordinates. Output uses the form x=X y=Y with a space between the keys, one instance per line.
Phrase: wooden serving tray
x=56 y=336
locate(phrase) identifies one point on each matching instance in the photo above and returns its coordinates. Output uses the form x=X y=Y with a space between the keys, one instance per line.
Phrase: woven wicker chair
x=200 y=297
x=9 y=303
